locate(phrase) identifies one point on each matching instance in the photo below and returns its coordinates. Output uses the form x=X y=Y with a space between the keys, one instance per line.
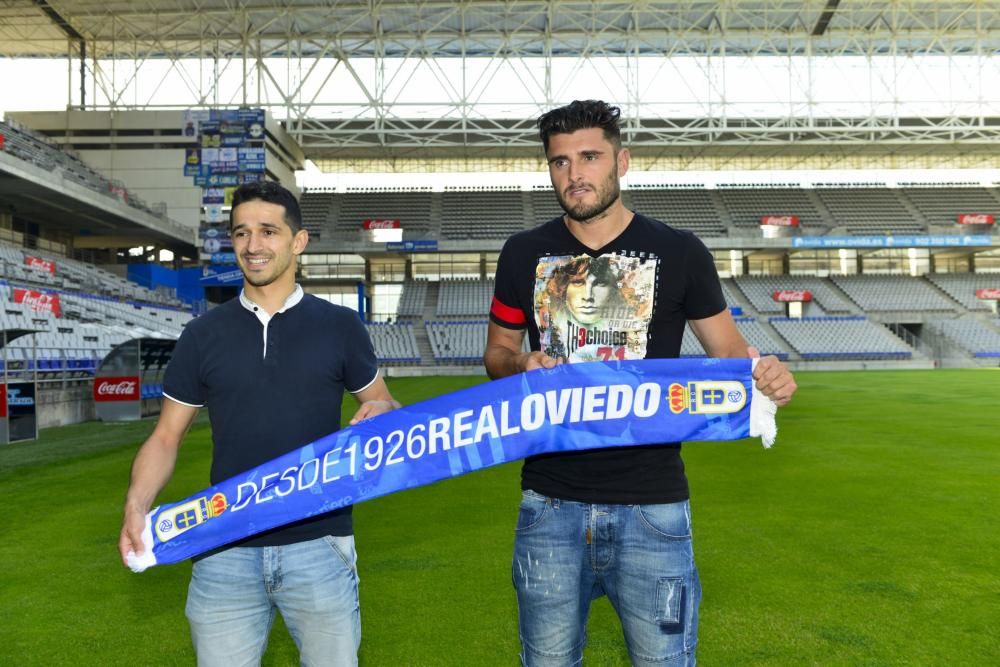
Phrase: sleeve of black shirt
x=506 y=308
x=182 y=379
x=703 y=296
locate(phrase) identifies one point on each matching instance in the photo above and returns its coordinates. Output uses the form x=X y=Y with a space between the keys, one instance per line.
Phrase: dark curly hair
x=581 y=115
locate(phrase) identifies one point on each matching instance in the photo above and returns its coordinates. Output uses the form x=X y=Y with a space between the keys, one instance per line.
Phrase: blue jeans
x=568 y=553
x=234 y=594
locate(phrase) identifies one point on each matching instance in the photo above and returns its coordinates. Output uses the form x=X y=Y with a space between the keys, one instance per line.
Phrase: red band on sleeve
x=509 y=315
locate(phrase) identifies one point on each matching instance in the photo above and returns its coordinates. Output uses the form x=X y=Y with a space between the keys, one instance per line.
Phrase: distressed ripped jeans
x=568 y=553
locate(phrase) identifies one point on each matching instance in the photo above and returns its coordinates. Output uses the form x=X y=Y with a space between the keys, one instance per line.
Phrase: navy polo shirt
x=272 y=384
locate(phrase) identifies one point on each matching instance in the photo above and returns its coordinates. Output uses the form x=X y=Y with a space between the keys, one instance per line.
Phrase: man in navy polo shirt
x=271 y=367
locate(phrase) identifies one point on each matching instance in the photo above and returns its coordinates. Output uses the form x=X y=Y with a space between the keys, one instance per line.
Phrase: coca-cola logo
x=975 y=219
x=39 y=263
x=116 y=389
x=780 y=220
x=381 y=224
x=988 y=293
x=38 y=301
x=790 y=295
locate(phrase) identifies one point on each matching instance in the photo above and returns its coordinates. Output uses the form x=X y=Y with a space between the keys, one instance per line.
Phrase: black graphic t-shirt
x=629 y=300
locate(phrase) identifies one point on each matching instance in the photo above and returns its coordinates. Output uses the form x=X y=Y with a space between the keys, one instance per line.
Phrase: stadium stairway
x=420 y=328
x=332 y=215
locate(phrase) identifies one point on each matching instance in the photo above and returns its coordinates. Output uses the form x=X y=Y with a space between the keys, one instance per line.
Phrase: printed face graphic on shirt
x=594 y=308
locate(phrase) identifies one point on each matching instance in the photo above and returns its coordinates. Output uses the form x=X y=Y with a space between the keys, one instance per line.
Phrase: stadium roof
x=340 y=106
x=185 y=28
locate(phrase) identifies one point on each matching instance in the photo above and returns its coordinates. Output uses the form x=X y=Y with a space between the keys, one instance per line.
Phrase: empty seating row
x=463 y=341
x=482 y=215
x=464 y=297
x=411 y=208
x=759 y=290
x=752 y=332
x=977 y=338
x=38 y=267
x=853 y=337
x=394 y=343
x=30 y=146
x=962 y=287
x=413 y=299
x=893 y=293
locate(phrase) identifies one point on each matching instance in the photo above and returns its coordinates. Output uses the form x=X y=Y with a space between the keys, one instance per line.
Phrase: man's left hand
x=370 y=409
x=773 y=377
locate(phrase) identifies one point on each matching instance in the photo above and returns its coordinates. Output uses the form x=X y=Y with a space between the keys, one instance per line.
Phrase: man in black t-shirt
x=604 y=283
x=271 y=367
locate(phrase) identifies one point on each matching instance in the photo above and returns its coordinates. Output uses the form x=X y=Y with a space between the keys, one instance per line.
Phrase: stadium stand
x=30 y=146
x=752 y=332
x=491 y=214
x=77 y=311
x=464 y=297
x=878 y=210
x=894 y=293
x=852 y=337
x=394 y=343
x=458 y=342
x=759 y=290
x=412 y=208
x=941 y=206
x=962 y=287
x=316 y=206
x=21 y=265
x=746 y=207
x=413 y=299
x=691 y=209
x=974 y=337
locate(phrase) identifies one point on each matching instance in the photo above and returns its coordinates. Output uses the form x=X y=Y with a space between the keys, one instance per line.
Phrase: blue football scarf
x=571 y=407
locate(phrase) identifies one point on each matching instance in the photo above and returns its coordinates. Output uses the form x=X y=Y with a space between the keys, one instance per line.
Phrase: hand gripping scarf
x=568 y=408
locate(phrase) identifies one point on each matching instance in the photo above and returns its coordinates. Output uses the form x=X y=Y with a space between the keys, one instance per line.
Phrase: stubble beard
x=606 y=196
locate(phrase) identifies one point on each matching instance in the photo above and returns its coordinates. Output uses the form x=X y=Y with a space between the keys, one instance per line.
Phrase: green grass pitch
x=869 y=535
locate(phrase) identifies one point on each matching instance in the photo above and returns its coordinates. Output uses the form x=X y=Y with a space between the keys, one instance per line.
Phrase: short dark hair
x=581 y=115
x=272 y=193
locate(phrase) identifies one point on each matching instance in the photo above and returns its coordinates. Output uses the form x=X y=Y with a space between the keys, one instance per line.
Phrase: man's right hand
x=529 y=361
x=130 y=539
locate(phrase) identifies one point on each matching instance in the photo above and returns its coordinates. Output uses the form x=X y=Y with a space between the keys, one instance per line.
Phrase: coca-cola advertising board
x=976 y=219
x=780 y=221
x=116 y=389
x=40 y=264
x=39 y=302
x=792 y=295
x=988 y=293
x=382 y=223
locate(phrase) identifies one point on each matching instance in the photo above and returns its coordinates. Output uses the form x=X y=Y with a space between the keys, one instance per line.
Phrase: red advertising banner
x=976 y=219
x=40 y=264
x=792 y=295
x=116 y=389
x=3 y=401
x=988 y=293
x=38 y=301
x=780 y=220
x=382 y=224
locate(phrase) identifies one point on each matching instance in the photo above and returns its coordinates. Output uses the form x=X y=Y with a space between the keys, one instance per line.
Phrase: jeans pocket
x=343 y=546
x=669 y=599
x=670 y=521
x=534 y=508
